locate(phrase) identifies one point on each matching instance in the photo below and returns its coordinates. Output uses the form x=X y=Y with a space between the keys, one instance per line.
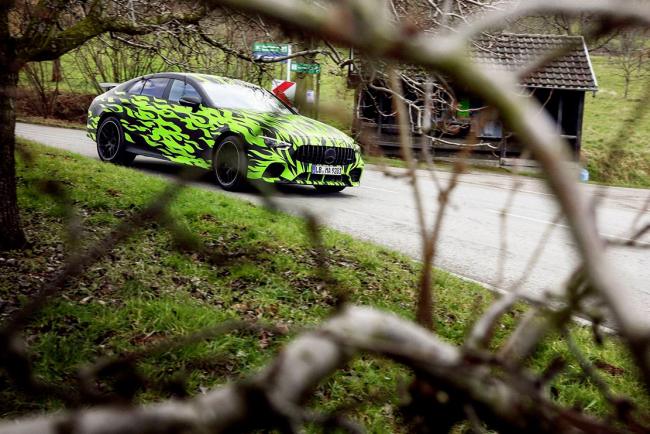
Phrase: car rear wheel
x=110 y=142
x=327 y=189
x=229 y=164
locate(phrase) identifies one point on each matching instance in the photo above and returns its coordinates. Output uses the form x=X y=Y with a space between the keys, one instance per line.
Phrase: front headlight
x=275 y=143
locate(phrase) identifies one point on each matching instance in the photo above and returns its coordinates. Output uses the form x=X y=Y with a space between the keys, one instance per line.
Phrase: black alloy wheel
x=110 y=142
x=229 y=164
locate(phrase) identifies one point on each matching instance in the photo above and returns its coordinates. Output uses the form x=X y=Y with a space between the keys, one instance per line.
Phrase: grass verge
x=146 y=291
x=37 y=120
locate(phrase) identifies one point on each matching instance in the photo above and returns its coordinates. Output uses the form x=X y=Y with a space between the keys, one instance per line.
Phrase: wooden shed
x=460 y=120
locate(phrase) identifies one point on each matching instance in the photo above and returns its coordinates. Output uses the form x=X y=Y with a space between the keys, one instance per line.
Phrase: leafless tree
x=39 y=79
x=45 y=30
x=630 y=56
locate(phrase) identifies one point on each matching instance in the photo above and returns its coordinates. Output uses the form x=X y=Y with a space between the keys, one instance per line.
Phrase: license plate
x=320 y=169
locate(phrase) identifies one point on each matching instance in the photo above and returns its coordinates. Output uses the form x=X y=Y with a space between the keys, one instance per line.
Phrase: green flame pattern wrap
x=188 y=136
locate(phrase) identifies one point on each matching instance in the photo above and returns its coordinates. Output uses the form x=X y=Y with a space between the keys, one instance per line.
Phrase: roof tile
x=508 y=51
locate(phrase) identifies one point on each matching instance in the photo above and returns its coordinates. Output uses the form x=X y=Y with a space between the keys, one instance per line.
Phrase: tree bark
x=11 y=232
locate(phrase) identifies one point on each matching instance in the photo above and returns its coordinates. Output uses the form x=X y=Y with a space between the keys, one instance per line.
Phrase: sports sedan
x=239 y=130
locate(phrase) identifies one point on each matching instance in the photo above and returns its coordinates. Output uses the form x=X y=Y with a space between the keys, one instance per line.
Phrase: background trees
x=44 y=30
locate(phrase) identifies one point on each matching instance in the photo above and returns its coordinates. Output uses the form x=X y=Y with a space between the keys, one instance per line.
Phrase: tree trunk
x=11 y=232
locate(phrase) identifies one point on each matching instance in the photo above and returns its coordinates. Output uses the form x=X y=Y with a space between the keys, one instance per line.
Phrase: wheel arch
x=107 y=114
x=220 y=137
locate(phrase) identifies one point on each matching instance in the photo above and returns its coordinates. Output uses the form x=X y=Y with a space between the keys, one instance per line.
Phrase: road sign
x=285 y=90
x=271 y=47
x=306 y=68
x=269 y=50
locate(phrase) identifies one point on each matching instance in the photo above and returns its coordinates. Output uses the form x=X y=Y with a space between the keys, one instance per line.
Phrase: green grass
x=612 y=157
x=146 y=290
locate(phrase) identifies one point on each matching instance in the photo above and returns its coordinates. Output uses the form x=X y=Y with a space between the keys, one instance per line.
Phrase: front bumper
x=288 y=166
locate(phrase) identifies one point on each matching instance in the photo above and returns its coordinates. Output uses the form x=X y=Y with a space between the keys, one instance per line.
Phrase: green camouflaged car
x=239 y=130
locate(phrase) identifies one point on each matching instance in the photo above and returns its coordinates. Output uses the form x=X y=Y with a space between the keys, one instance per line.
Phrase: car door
x=152 y=110
x=193 y=123
x=131 y=123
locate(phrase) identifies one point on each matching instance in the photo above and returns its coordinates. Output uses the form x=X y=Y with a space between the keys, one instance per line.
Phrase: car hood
x=299 y=130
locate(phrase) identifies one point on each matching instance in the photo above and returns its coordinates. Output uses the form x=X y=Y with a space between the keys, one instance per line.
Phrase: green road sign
x=269 y=47
x=306 y=68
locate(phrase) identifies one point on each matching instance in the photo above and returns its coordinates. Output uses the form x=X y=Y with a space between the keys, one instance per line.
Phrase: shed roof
x=509 y=51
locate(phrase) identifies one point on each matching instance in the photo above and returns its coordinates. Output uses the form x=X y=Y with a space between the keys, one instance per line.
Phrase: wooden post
x=581 y=110
x=317 y=97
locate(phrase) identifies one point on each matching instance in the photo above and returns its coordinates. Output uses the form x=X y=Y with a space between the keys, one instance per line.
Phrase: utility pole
x=289 y=63
x=305 y=82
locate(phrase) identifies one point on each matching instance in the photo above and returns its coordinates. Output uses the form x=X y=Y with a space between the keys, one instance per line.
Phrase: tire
x=229 y=163
x=111 y=144
x=328 y=189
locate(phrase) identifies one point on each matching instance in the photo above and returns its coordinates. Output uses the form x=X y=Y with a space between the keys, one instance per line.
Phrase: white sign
x=311 y=97
x=285 y=90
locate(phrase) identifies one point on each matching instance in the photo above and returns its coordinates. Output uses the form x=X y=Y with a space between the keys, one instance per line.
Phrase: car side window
x=136 y=88
x=180 y=89
x=155 y=87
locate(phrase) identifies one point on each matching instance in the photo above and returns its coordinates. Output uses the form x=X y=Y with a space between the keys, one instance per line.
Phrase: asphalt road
x=382 y=210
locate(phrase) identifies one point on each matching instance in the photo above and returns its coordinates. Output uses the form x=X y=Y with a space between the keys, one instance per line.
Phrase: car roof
x=202 y=78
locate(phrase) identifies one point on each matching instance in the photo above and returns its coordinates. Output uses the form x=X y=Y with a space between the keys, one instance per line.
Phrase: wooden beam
x=581 y=110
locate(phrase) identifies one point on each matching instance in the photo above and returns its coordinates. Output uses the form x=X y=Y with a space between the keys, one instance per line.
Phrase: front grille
x=324 y=155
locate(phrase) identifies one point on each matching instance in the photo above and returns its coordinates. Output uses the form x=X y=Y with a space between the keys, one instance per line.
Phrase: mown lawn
x=146 y=290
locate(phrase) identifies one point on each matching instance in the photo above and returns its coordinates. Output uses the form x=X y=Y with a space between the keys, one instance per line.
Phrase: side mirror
x=190 y=101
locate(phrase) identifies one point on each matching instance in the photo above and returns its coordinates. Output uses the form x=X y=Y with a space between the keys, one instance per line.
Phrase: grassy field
x=615 y=152
x=146 y=291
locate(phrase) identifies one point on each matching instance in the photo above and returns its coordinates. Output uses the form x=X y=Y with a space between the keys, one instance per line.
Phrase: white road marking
x=380 y=189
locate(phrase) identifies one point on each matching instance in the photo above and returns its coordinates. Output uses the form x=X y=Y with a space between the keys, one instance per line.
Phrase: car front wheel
x=229 y=164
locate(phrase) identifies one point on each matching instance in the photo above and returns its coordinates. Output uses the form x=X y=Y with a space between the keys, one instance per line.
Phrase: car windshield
x=237 y=97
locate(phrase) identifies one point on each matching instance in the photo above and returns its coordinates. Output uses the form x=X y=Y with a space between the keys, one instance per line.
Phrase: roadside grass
x=37 y=120
x=146 y=290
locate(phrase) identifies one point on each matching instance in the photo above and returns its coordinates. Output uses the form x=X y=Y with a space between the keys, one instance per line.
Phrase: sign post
x=288 y=62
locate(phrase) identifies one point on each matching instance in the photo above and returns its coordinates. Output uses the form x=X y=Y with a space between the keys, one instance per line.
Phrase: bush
x=67 y=106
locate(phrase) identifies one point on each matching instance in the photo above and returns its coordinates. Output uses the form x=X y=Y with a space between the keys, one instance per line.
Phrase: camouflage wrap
x=183 y=135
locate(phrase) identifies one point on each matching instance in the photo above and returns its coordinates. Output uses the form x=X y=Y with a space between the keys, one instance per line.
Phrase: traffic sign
x=306 y=68
x=271 y=47
x=269 y=50
x=284 y=90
